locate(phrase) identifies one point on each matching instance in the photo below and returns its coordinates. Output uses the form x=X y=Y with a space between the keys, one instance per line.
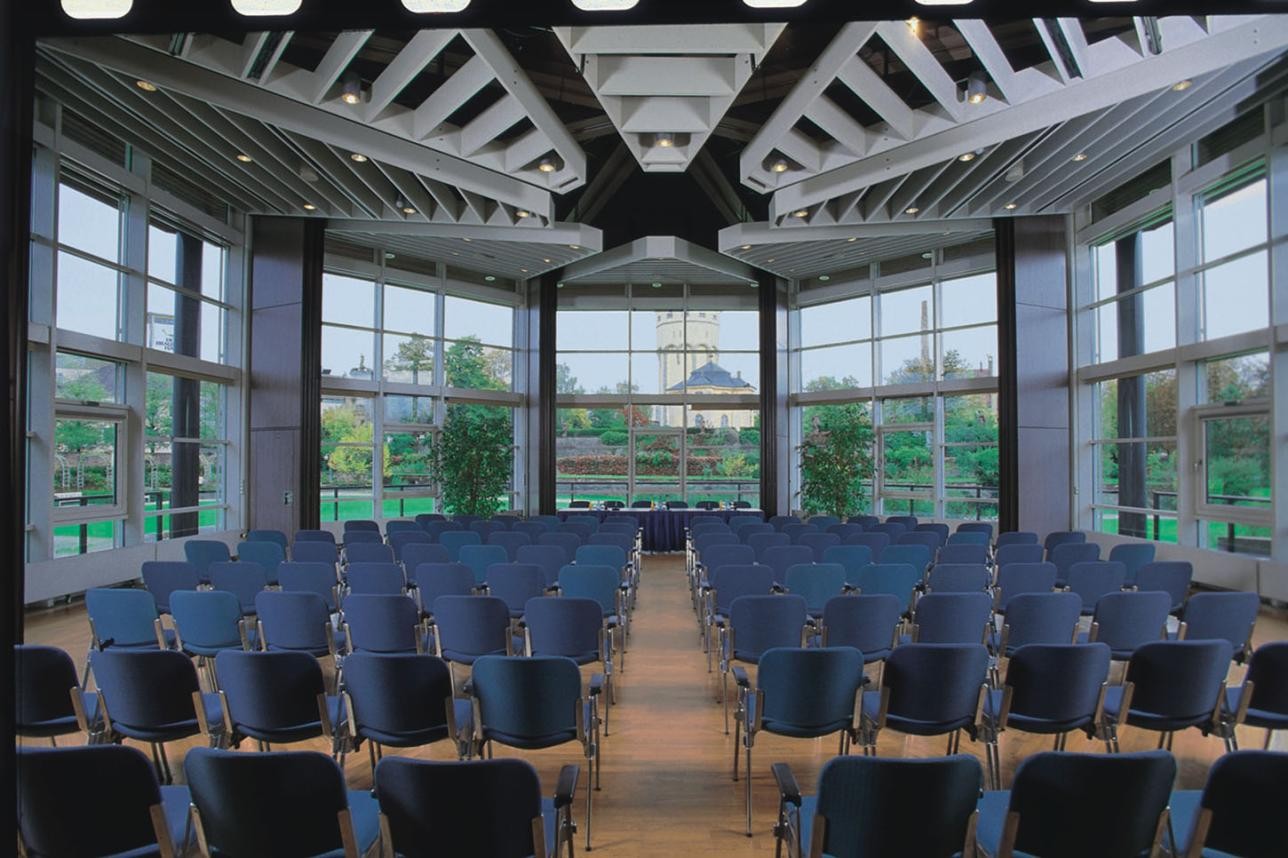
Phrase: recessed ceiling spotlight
x=852 y=239
x=801 y=213
x=746 y=247
x=358 y=157
x=405 y=207
x=911 y=210
x=1081 y=156
x=524 y=270
x=779 y=165
x=914 y=24
x=351 y=88
x=656 y=285
x=1182 y=85
x=309 y=207
x=1011 y=206
x=823 y=278
x=408 y=210
x=146 y=85
x=966 y=157
x=522 y=213
x=389 y=255
x=244 y=158
x=976 y=88
x=574 y=247
x=664 y=139
x=490 y=278
x=467 y=240
x=547 y=261
x=928 y=255
x=769 y=260
x=548 y=165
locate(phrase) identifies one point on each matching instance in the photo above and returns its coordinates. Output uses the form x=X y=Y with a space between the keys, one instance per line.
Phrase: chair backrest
x=480 y=557
x=875 y=806
x=401 y=525
x=163 y=577
x=1119 y=800
x=268 y=536
x=727 y=549
x=914 y=554
x=952 y=617
x=731 y=580
x=586 y=581
x=455 y=540
x=702 y=528
x=1057 y=682
x=758 y=528
x=563 y=626
x=738 y=521
x=892 y=529
x=819 y=543
x=1127 y=620
x=677 y=504
x=1041 y=618
x=897 y=579
x=269 y=555
x=641 y=504
x=866 y=622
x=778 y=522
x=416 y=553
x=1093 y=579
x=962 y=553
x=368 y=552
x=241 y=578
x=471 y=626
x=43 y=677
x=845 y=530
x=362 y=537
x=874 y=541
x=361 y=524
x=579 y=504
x=582 y=529
x=781 y=557
x=426 y=517
x=380 y=623
x=376 y=578
x=1018 y=537
x=437 y=808
x=817 y=582
x=111 y=787
x=909 y=522
x=208 y=620
x=761 y=623
x=404 y=695
x=1063 y=537
x=146 y=689
x=796 y=531
x=313 y=552
x=707 y=539
x=316 y=578
x=968 y=537
x=464 y=519
x=1067 y=554
x=866 y=521
x=401 y=540
x=936 y=527
x=506 y=688
x=1244 y=800
x=293 y=621
x=533 y=529
x=761 y=542
x=280 y=803
x=315 y=536
x=485 y=528
x=622 y=521
x=822 y=522
x=937 y=684
x=510 y=540
x=437 y=528
x=852 y=557
x=442 y=579
x=1222 y=616
x=1020 y=552
x=1133 y=555
x=122 y=617
x=810 y=690
x=928 y=539
x=515 y=584
x=1268 y=672
x=983 y=527
x=551 y=558
x=601 y=555
x=958 y=577
x=1179 y=679
x=1172 y=577
x=569 y=542
x=202 y=552
x=1013 y=579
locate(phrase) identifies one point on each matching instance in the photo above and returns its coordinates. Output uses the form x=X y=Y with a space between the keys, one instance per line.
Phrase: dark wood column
x=1034 y=467
x=285 y=373
x=775 y=455
x=543 y=304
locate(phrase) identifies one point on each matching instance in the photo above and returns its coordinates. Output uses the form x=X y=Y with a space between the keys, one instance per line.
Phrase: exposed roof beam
x=410 y=61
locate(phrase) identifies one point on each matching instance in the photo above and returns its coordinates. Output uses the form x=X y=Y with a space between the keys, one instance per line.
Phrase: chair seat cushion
x=797 y=731
x=1263 y=718
x=1030 y=723
x=177 y=729
x=298 y=732
x=911 y=726
x=468 y=657
x=1149 y=720
x=1115 y=654
x=62 y=726
x=463 y=710
x=993 y=807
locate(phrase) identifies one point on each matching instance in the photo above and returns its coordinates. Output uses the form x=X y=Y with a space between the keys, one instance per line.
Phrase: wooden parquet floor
x=666 y=765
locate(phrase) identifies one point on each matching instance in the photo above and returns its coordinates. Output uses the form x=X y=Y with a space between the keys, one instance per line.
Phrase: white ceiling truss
x=666 y=88
x=662 y=259
x=801 y=254
x=842 y=171
x=485 y=171
x=511 y=252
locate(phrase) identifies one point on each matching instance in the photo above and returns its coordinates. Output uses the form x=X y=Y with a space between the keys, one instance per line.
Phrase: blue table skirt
x=663 y=528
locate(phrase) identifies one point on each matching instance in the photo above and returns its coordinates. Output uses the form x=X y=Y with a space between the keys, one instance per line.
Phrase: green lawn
x=1167 y=530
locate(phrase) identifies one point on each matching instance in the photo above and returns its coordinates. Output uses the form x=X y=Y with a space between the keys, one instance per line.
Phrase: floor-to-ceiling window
x=407 y=342
x=135 y=304
x=657 y=390
x=907 y=346
x=1176 y=346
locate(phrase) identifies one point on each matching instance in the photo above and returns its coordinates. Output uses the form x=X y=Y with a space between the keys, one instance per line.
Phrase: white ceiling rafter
x=662 y=258
x=666 y=88
x=1078 y=78
x=464 y=190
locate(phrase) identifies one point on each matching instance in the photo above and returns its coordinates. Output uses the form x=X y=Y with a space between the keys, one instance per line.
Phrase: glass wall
x=907 y=346
x=1175 y=346
x=657 y=392
x=407 y=343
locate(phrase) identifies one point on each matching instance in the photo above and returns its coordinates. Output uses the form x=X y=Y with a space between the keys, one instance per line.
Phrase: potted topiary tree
x=836 y=458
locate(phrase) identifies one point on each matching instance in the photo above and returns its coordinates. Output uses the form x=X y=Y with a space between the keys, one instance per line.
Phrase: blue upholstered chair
x=243 y=579
x=315 y=536
x=1126 y=621
x=958 y=577
x=976 y=527
x=480 y=557
x=1019 y=552
x=551 y=558
x=315 y=552
x=202 y=552
x=727 y=582
x=1066 y=554
x=571 y=628
x=276 y=697
x=416 y=553
x=468 y=627
x=868 y=623
x=208 y=622
x=1093 y=579
x=960 y=552
x=48 y=696
x=1170 y=685
x=442 y=579
x=1015 y=579
x=898 y=579
x=951 y=618
x=296 y=622
x=1038 y=618
x=367 y=552
x=1239 y=811
x=1221 y=616
x=819 y=543
x=510 y=540
x=853 y=557
x=515 y=584
x=268 y=554
x=817 y=582
x=756 y=625
x=1133 y=555
x=455 y=540
x=1172 y=577
x=380 y=578
x=381 y=623
x=316 y=578
x=163 y=577
x=1062 y=537
x=1017 y=537
x=264 y=535
x=871 y=540
x=401 y=540
x=780 y=558
x=1262 y=699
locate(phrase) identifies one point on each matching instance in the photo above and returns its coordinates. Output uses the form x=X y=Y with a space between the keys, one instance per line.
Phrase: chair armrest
x=788 y=790
x=567 y=786
x=596 y=684
x=740 y=676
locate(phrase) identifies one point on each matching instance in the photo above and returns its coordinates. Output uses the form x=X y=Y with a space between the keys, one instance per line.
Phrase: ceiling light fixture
x=404 y=206
x=656 y=285
x=522 y=213
x=801 y=213
x=146 y=85
x=779 y=165
x=823 y=278
x=976 y=88
x=309 y=207
x=966 y=157
x=852 y=239
x=911 y=210
x=914 y=24
x=1081 y=156
x=358 y=157
x=574 y=247
x=1010 y=207
x=244 y=158
x=467 y=240
x=1182 y=85
x=490 y=278
x=550 y=164
x=389 y=255
x=524 y=270
x=546 y=261
x=351 y=88
x=769 y=260
x=664 y=139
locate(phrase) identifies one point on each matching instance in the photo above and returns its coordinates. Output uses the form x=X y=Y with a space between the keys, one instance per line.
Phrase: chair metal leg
x=590 y=791
x=1270 y=734
x=747 y=784
x=737 y=736
x=724 y=697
